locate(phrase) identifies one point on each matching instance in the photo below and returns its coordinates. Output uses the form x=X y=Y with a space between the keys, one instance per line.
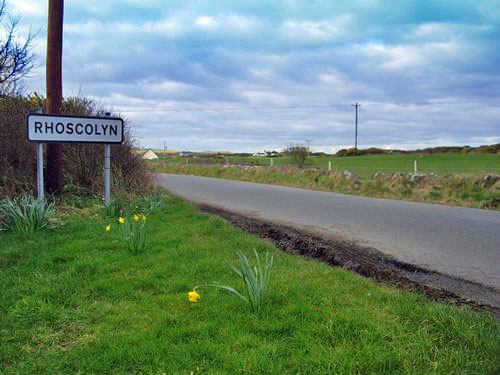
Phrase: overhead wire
x=230 y=108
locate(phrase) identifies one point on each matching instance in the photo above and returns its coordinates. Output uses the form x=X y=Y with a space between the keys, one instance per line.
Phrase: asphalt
x=460 y=242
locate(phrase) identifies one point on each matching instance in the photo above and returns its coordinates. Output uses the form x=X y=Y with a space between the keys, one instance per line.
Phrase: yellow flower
x=108 y=228
x=136 y=218
x=121 y=220
x=193 y=296
x=143 y=218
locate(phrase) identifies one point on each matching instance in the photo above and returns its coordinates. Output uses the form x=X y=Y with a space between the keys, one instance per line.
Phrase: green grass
x=427 y=163
x=75 y=301
x=367 y=165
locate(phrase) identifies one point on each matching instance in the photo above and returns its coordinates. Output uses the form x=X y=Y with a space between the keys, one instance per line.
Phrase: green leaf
x=229 y=289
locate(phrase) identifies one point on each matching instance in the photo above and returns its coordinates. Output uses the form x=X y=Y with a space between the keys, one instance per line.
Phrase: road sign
x=81 y=129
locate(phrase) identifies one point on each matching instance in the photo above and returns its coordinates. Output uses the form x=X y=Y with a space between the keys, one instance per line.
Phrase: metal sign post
x=107 y=171
x=39 y=171
x=39 y=168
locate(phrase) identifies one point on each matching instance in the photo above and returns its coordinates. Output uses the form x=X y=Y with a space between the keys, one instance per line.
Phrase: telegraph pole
x=308 y=145
x=356 y=126
x=55 y=151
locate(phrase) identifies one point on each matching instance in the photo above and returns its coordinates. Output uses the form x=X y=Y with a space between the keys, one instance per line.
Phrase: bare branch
x=16 y=57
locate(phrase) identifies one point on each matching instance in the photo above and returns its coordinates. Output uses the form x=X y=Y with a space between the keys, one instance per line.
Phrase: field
x=75 y=301
x=367 y=165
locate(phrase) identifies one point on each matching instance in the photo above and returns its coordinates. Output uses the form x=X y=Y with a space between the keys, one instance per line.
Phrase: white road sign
x=55 y=128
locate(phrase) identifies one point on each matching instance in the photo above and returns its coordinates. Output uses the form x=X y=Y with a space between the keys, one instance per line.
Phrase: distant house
x=149 y=155
x=271 y=154
x=186 y=153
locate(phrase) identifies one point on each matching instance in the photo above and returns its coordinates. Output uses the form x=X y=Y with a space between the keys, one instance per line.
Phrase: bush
x=297 y=153
x=348 y=152
x=491 y=149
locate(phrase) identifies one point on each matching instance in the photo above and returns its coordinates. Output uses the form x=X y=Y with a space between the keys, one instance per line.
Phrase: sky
x=247 y=76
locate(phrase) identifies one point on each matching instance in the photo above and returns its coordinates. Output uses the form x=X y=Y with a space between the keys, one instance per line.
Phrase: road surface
x=456 y=241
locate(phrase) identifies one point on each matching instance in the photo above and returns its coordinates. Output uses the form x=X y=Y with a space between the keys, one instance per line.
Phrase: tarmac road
x=460 y=242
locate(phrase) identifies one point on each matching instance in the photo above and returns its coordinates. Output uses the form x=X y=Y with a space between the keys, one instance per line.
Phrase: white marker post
x=416 y=166
x=329 y=165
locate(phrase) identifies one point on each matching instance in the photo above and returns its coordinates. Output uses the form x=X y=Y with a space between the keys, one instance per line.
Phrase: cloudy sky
x=249 y=75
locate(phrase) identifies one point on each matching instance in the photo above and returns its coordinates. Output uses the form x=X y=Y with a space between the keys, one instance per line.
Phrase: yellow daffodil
x=121 y=220
x=143 y=218
x=108 y=228
x=136 y=218
x=193 y=296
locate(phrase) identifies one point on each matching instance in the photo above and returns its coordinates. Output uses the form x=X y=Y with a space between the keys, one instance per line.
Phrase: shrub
x=348 y=152
x=491 y=149
x=297 y=153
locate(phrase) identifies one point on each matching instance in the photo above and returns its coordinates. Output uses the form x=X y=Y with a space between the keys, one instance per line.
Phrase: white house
x=149 y=155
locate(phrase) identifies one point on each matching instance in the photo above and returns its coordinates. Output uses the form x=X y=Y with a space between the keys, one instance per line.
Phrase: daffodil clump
x=256 y=280
x=133 y=232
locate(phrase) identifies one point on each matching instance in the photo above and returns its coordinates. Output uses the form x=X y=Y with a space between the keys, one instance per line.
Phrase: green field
x=367 y=165
x=75 y=301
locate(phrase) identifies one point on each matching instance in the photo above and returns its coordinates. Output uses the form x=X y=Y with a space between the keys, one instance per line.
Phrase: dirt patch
x=367 y=262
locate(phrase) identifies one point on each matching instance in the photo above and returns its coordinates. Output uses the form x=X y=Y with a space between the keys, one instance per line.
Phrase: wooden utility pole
x=55 y=151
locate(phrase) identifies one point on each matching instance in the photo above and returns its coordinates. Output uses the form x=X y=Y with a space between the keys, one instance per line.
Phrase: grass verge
x=457 y=190
x=75 y=301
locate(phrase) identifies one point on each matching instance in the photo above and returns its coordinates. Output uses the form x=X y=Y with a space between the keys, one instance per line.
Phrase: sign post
x=74 y=129
x=39 y=168
x=107 y=171
x=39 y=171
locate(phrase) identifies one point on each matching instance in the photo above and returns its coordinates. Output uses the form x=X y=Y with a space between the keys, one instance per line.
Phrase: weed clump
x=25 y=214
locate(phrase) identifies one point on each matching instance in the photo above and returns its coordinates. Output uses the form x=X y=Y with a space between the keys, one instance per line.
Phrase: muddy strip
x=367 y=262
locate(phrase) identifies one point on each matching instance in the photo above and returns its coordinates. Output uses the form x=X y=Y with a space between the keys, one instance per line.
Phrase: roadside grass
x=457 y=190
x=367 y=165
x=75 y=301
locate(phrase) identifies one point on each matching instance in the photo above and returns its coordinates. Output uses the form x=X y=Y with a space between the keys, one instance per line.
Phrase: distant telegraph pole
x=356 y=126
x=308 y=145
x=55 y=151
